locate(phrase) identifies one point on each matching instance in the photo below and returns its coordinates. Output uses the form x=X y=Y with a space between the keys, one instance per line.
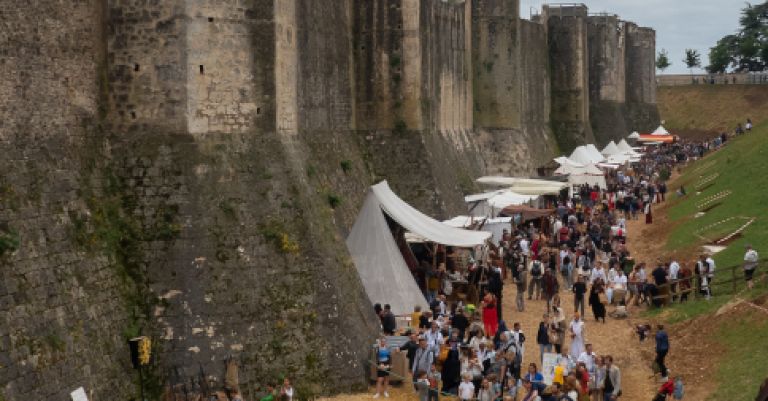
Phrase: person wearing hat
x=750 y=265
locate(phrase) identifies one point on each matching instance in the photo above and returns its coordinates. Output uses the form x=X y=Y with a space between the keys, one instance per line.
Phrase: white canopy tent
x=660 y=131
x=494 y=225
x=564 y=161
x=594 y=153
x=610 y=149
x=588 y=169
x=378 y=260
x=489 y=203
x=634 y=135
x=581 y=156
x=624 y=146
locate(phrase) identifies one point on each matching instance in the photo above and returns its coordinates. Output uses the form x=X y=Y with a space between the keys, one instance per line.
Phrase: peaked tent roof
x=594 y=153
x=660 y=131
x=624 y=146
x=564 y=161
x=610 y=149
x=378 y=260
x=379 y=263
x=581 y=156
x=634 y=135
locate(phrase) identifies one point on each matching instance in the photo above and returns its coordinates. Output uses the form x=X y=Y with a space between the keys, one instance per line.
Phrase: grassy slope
x=711 y=108
x=741 y=166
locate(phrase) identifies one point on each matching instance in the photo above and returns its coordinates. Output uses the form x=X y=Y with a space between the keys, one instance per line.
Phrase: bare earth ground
x=692 y=355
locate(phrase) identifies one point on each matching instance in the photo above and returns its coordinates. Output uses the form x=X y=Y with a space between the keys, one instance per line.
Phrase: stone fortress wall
x=188 y=169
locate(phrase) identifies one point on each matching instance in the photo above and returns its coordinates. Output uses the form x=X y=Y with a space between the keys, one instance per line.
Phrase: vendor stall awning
x=423 y=225
x=378 y=260
x=527 y=212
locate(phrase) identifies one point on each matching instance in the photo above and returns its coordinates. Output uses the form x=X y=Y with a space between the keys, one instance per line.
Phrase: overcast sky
x=679 y=24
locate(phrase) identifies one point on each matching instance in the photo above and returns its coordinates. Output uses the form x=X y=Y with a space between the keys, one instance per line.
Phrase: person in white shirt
x=466 y=388
x=610 y=281
x=710 y=272
x=434 y=338
x=674 y=269
x=525 y=250
x=597 y=273
x=588 y=358
x=750 y=265
x=517 y=335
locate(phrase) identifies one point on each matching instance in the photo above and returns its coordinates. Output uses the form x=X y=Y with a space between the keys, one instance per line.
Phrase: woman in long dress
x=598 y=308
x=490 y=317
x=577 y=336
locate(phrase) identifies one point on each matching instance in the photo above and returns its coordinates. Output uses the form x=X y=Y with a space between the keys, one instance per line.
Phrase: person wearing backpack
x=536 y=272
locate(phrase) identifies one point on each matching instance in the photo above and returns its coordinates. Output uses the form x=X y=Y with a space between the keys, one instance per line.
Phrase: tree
x=722 y=55
x=747 y=50
x=692 y=59
x=662 y=60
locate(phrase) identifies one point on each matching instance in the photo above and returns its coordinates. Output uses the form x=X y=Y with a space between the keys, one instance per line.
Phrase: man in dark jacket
x=388 y=321
x=460 y=322
x=662 y=348
x=410 y=348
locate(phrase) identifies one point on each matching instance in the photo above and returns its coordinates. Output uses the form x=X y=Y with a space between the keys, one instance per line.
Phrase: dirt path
x=615 y=337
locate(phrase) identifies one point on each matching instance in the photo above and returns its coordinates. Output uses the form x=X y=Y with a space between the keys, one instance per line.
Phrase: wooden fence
x=671 y=290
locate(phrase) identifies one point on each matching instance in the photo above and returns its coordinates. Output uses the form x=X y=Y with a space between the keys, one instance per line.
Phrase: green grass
x=745 y=364
x=677 y=312
x=741 y=165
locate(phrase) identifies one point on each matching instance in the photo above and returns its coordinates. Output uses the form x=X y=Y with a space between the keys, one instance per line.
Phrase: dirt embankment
x=701 y=111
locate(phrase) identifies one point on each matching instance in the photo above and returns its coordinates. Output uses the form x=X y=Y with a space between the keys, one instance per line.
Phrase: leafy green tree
x=722 y=55
x=662 y=60
x=747 y=50
x=692 y=59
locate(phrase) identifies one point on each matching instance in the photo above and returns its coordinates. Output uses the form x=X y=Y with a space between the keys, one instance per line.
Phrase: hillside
x=735 y=319
x=704 y=110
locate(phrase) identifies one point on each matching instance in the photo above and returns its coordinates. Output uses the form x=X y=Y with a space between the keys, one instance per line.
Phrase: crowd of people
x=470 y=352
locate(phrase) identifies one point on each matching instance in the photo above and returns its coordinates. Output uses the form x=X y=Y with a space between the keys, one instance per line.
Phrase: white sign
x=548 y=366
x=79 y=395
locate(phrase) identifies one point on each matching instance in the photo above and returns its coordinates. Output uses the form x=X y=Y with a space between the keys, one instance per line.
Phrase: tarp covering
x=378 y=260
x=507 y=198
x=527 y=212
x=382 y=269
x=540 y=190
x=423 y=225
x=502 y=181
x=481 y=197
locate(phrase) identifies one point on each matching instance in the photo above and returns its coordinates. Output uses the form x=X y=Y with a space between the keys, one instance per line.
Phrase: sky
x=679 y=24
